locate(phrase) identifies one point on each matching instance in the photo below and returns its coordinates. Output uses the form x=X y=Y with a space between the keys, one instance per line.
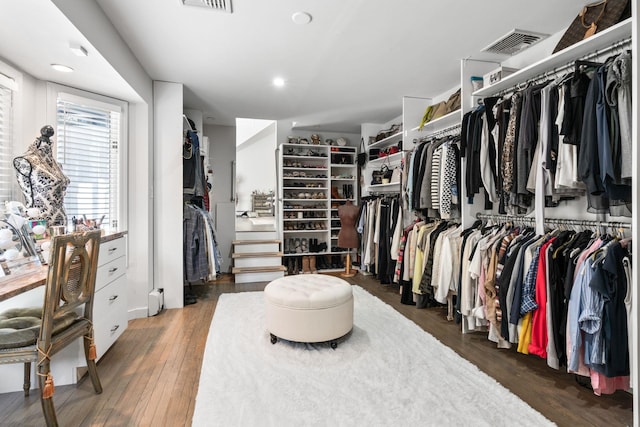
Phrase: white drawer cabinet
x=110 y=316
x=111 y=250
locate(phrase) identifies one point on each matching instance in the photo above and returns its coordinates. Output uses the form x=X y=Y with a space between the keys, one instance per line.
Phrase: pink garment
x=606 y=385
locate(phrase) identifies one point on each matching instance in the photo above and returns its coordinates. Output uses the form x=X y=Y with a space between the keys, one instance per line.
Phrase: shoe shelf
x=309 y=170
x=304 y=168
x=302 y=188
x=304 y=178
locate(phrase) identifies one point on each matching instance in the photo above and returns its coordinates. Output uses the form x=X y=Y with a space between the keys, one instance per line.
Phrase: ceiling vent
x=221 y=5
x=514 y=42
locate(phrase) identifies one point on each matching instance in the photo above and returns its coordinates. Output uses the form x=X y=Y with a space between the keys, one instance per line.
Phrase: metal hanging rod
x=451 y=130
x=553 y=221
x=553 y=73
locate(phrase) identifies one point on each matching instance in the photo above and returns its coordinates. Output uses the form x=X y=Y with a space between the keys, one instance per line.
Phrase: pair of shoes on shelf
x=309 y=264
x=334 y=193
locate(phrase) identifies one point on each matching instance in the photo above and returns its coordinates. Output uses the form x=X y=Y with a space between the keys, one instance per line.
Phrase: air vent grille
x=514 y=42
x=221 y=5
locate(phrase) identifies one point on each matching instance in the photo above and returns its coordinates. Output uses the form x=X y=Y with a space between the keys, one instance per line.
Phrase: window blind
x=87 y=147
x=7 y=173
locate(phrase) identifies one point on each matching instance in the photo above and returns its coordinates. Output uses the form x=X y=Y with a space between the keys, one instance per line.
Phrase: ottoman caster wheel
x=334 y=344
x=274 y=339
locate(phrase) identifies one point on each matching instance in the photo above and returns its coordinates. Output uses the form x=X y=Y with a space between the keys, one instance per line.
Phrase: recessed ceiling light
x=78 y=50
x=278 y=82
x=62 y=68
x=301 y=18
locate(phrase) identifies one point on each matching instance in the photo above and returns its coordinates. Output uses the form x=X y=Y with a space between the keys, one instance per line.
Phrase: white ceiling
x=352 y=64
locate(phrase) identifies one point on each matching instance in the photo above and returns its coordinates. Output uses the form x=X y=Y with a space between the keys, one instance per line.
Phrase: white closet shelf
x=583 y=48
x=307 y=178
x=304 y=188
x=391 y=185
x=387 y=141
x=305 y=220
x=341 y=165
x=303 y=168
x=305 y=200
x=302 y=156
x=335 y=178
x=396 y=157
x=443 y=122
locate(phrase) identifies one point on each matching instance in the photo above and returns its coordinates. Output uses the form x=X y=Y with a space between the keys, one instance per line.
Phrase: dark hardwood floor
x=150 y=376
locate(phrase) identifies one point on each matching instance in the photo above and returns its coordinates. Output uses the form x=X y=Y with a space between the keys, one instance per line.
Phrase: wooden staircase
x=256 y=259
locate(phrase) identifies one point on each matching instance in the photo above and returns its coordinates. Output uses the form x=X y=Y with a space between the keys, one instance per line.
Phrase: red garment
x=539 y=335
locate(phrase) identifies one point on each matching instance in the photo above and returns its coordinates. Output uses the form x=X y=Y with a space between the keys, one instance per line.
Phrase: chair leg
x=48 y=409
x=91 y=366
x=27 y=379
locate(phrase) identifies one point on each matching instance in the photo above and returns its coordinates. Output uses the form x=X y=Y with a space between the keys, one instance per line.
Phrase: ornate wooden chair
x=35 y=334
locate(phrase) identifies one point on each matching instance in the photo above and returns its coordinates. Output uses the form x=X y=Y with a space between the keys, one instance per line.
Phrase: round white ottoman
x=309 y=308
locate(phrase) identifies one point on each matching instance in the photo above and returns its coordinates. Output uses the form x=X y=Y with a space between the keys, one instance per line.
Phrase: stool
x=309 y=308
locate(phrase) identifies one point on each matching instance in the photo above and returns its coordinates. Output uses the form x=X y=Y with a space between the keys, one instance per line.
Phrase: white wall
x=222 y=151
x=89 y=18
x=256 y=166
x=222 y=146
x=168 y=256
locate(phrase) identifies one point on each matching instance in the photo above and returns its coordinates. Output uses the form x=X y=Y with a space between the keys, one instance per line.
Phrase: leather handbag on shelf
x=453 y=103
x=439 y=110
x=396 y=175
x=594 y=18
x=377 y=175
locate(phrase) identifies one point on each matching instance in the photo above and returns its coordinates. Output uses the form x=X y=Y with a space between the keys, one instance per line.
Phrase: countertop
x=34 y=274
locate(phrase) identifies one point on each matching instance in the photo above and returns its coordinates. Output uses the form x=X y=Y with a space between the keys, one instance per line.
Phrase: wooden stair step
x=255 y=242
x=256 y=254
x=240 y=270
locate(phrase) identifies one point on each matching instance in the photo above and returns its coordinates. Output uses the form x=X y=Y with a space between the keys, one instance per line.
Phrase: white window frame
x=12 y=79
x=55 y=91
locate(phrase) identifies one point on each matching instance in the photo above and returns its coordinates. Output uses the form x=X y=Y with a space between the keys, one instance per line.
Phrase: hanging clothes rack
x=615 y=47
x=553 y=221
x=448 y=131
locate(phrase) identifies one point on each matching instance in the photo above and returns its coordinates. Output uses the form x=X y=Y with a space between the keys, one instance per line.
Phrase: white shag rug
x=386 y=372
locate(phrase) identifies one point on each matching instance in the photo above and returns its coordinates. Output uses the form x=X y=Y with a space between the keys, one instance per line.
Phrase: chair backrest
x=71 y=278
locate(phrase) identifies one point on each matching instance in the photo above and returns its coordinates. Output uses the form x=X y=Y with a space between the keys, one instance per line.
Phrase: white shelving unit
x=370 y=131
x=344 y=186
x=594 y=46
x=315 y=181
x=562 y=58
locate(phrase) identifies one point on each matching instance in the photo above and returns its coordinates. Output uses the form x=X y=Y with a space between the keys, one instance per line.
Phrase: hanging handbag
x=396 y=175
x=362 y=155
x=453 y=103
x=594 y=18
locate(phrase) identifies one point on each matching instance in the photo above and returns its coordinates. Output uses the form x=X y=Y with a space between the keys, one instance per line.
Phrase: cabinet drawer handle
x=115 y=328
x=113 y=297
x=113 y=270
x=112 y=249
